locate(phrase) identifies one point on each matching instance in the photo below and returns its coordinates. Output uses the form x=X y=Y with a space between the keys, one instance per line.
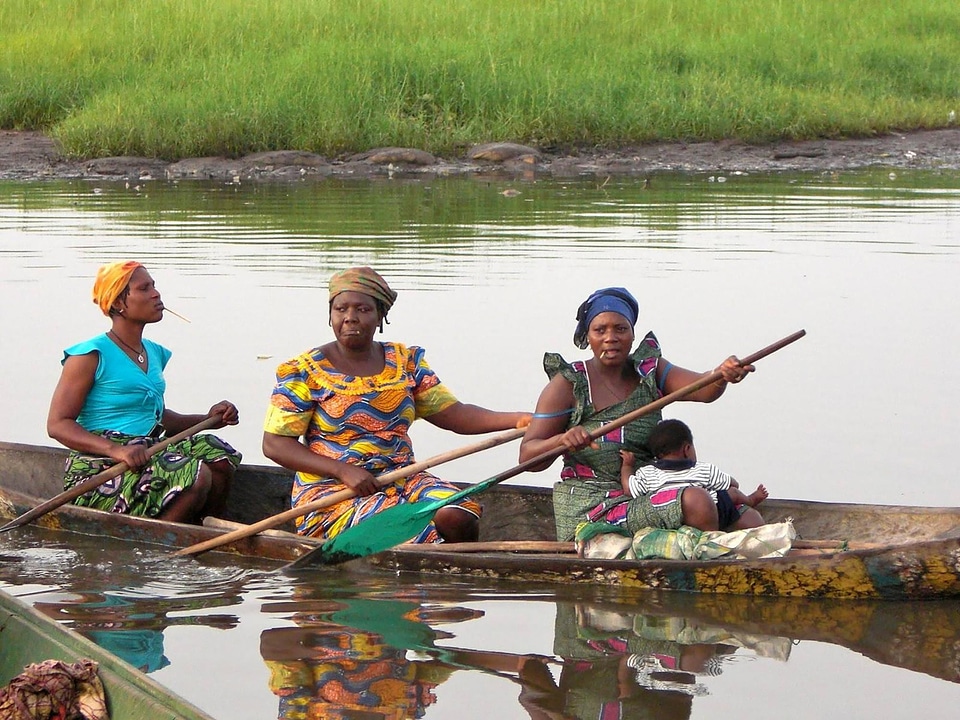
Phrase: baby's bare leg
x=738 y=496
x=749 y=519
x=751 y=500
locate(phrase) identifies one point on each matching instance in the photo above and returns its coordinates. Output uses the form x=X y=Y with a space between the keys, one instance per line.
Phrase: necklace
x=138 y=353
x=617 y=395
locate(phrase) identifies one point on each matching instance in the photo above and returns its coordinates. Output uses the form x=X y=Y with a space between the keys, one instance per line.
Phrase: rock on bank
x=28 y=155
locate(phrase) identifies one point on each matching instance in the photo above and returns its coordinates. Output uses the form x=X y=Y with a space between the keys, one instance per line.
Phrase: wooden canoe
x=850 y=550
x=28 y=636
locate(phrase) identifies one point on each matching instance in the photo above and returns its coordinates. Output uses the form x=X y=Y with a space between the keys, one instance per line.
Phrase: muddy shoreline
x=32 y=156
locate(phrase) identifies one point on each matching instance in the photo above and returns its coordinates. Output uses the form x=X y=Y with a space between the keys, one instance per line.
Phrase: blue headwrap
x=613 y=299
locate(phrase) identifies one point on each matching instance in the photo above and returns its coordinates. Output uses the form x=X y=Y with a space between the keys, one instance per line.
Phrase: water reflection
x=131 y=626
x=345 y=646
x=351 y=655
x=621 y=663
x=121 y=597
x=648 y=656
x=426 y=233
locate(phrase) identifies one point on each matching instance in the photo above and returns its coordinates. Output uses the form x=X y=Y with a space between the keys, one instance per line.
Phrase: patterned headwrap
x=112 y=278
x=362 y=280
x=613 y=299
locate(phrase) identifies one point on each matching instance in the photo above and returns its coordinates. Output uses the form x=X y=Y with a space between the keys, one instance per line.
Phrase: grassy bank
x=177 y=78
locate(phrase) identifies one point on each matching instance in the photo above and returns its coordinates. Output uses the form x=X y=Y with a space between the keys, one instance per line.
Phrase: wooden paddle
x=100 y=478
x=383 y=480
x=399 y=523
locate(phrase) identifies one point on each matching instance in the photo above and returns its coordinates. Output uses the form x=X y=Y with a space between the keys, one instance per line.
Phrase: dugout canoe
x=851 y=551
x=28 y=636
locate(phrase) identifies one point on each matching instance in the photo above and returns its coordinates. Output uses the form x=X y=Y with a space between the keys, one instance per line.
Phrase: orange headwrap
x=112 y=278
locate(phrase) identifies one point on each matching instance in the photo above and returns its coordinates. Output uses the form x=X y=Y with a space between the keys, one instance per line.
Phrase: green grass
x=177 y=78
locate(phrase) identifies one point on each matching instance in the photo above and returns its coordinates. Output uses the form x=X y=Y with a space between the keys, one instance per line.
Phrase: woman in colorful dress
x=108 y=407
x=615 y=381
x=353 y=401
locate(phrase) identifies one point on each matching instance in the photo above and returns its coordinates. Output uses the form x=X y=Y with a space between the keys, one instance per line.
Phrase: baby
x=671 y=443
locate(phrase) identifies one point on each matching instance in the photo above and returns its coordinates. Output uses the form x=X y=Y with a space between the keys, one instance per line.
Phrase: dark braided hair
x=382 y=311
x=124 y=294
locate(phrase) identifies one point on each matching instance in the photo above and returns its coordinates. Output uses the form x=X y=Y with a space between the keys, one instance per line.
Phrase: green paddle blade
x=383 y=531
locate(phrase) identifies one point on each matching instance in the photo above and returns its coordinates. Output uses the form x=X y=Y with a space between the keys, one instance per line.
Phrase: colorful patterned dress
x=363 y=421
x=589 y=489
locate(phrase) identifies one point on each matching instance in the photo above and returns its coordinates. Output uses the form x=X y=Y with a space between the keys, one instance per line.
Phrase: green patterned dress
x=589 y=489
x=146 y=491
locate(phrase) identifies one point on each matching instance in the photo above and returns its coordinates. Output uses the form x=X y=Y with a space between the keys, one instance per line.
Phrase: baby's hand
x=628 y=457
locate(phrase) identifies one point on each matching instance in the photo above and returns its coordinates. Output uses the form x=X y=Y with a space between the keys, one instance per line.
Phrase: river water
x=490 y=273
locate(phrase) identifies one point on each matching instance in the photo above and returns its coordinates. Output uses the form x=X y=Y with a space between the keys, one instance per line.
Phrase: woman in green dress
x=583 y=395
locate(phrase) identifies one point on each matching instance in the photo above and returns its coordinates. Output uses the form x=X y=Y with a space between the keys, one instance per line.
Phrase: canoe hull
x=906 y=553
x=919 y=571
x=145 y=531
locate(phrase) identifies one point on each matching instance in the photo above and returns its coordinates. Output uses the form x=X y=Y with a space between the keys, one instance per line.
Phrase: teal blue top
x=123 y=398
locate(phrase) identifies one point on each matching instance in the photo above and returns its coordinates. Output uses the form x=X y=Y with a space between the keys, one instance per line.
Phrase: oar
x=383 y=480
x=399 y=523
x=100 y=478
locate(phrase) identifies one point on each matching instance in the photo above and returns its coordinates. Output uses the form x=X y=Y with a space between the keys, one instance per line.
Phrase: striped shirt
x=649 y=478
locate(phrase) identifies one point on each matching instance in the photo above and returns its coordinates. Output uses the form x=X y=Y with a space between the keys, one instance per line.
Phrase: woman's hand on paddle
x=135 y=456
x=577 y=438
x=733 y=371
x=292 y=454
x=358 y=480
x=226 y=411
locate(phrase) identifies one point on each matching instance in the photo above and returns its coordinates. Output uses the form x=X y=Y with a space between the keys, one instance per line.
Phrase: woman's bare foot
x=757 y=496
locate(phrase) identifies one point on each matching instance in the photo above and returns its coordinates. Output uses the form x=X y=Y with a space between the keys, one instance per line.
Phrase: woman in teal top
x=109 y=407
x=586 y=394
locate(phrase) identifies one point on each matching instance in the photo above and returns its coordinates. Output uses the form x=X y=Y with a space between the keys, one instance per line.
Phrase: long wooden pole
x=100 y=478
x=554 y=547
x=330 y=500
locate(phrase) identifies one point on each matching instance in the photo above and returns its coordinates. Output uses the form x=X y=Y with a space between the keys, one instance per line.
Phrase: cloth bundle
x=601 y=540
x=54 y=689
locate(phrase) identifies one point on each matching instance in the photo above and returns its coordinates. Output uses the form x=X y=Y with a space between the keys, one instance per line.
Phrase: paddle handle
x=405 y=472
x=100 y=478
x=692 y=387
x=551 y=547
x=337 y=497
